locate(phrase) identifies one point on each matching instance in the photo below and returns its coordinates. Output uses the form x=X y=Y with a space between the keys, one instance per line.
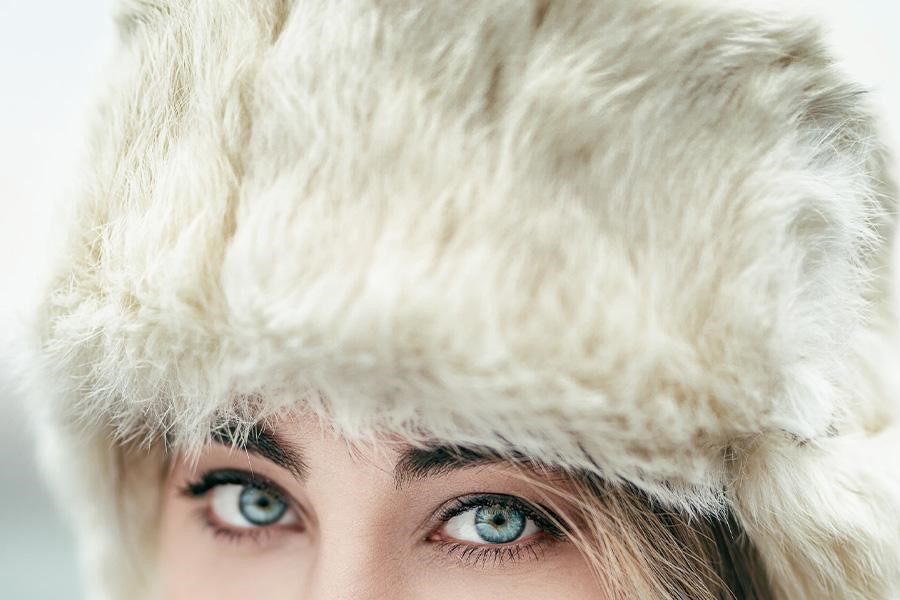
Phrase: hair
x=637 y=548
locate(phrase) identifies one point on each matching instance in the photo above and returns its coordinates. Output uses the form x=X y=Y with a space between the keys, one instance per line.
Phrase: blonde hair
x=638 y=549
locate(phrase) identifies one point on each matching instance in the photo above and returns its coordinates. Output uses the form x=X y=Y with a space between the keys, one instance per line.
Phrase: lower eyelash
x=482 y=556
x=230 y=534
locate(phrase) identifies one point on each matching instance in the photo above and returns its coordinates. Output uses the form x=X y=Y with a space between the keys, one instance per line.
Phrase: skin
x=353 y=530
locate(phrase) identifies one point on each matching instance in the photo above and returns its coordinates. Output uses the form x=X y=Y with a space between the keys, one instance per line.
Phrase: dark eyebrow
x=266 y=444
x=413 y=463
x=419 y=463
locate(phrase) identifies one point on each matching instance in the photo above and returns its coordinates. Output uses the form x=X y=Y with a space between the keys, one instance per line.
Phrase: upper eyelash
x=212 y=479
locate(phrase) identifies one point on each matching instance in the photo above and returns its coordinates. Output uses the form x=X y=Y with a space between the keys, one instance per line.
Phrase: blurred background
x=52 y=55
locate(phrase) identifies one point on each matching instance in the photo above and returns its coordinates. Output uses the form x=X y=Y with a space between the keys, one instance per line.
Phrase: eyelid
x=216 y=477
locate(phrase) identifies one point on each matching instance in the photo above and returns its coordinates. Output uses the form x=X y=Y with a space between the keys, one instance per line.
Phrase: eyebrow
x=266 y=444
x=412 y=465
x=433 y=461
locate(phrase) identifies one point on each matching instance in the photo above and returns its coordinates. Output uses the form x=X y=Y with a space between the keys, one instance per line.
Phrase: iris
x=260 y=507
x=499 y=524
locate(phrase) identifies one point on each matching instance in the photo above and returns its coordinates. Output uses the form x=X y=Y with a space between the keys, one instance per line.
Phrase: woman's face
x=297 y=513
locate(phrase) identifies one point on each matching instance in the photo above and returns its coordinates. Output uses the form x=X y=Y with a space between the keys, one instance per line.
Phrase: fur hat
x=648 y=239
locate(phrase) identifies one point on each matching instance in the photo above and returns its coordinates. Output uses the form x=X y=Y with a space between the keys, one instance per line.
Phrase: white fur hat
x=648 y=239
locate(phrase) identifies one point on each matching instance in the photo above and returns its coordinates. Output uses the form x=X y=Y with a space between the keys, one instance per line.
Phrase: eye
x=241 y=502
x=491 y=524
x=494 y=519
x=248 y=506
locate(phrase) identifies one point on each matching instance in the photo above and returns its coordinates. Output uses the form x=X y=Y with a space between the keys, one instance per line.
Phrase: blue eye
x=499 y=524
x=489 y=520
x=261 y=507
x=249 y=506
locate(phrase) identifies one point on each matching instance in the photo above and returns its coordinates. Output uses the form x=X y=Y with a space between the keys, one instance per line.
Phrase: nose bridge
x=360 y=537
x=355 y=565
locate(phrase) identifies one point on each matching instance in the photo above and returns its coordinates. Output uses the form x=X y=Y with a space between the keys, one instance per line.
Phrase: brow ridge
x=433 y=461
x=266 y=444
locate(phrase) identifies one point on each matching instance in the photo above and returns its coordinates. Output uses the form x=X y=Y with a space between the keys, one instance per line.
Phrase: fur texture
x=645 y=238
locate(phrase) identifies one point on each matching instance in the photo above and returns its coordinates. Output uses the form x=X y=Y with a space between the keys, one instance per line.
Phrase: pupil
x=498 y=524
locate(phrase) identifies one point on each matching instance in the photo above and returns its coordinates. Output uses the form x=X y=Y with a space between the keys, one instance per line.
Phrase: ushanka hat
x=646 y=239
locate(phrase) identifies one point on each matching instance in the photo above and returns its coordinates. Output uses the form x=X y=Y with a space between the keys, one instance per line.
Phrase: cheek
x=564 y=575
x=194 y=563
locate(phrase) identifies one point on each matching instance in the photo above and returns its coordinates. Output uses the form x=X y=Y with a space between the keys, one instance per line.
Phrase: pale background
x=51 y=53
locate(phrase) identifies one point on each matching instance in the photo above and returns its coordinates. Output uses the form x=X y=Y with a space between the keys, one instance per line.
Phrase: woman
x=476 y=300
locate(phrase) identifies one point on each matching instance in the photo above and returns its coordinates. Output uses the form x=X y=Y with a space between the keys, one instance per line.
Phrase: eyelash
x=474 y=556
x=468 y=554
